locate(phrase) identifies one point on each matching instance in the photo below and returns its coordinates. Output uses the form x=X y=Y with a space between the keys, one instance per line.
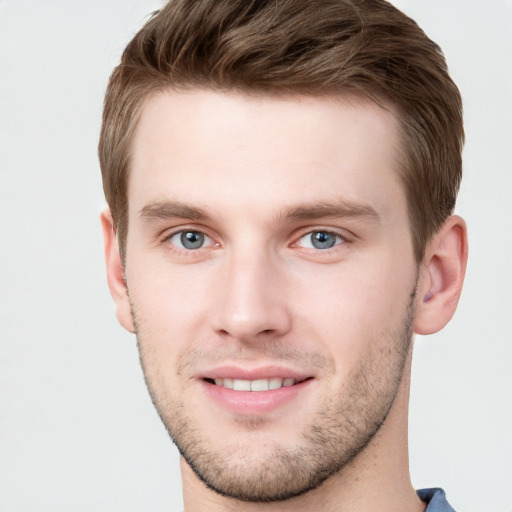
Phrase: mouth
x=255 y=391
x=256 y=385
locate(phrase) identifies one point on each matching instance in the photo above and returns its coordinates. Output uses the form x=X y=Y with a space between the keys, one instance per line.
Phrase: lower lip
x=254 y=403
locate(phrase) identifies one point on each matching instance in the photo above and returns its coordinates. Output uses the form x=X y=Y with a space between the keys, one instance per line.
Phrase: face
x=271 y=278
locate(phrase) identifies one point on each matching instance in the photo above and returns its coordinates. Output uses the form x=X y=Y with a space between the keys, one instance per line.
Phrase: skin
x=257 y=176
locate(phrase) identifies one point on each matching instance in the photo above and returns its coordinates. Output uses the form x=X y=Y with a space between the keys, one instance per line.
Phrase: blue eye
x=320 y=240
x=190 y=240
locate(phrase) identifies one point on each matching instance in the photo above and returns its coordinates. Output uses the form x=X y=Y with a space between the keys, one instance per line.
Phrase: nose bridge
x=251 y=302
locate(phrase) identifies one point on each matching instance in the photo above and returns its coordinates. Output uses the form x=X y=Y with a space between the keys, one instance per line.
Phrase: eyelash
x=173 y=247
x=340 y=240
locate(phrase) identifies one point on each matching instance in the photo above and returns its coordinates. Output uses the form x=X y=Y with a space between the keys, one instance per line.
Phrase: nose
x=251 y=303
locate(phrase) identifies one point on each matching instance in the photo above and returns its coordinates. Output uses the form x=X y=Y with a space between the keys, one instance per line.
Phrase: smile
x=239 y=392
x=254 y=385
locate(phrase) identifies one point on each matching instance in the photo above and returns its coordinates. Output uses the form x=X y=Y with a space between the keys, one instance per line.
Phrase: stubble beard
x=341 y=429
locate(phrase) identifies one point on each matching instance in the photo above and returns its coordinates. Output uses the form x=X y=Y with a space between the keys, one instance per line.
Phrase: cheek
x=356 y=309
x=167 y=306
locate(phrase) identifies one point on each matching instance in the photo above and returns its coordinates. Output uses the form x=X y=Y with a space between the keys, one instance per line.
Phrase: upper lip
x=257 y=373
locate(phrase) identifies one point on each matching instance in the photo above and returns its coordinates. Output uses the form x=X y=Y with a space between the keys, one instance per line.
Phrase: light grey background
x=77 y=430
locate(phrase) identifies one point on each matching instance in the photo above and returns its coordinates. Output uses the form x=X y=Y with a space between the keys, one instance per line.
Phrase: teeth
x=259 y=385
x=241 y=385
x=255 y=385
x=275 y=383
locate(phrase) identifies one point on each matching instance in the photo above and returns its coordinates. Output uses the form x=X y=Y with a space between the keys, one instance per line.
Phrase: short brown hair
x=315 y=47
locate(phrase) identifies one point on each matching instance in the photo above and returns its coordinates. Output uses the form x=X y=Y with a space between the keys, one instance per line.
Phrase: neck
x=377 y=479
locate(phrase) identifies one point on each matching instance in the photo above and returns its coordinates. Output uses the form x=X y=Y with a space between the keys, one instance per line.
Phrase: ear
x=115 y=272
x=441 y=276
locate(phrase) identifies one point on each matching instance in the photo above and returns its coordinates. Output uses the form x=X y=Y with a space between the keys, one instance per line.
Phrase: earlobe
x=115 y=272
x=441 y=277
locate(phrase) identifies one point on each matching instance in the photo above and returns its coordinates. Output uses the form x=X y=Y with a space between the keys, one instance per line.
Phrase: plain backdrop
x=77 y=430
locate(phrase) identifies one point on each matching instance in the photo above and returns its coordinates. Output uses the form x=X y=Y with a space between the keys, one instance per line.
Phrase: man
x=281 y=178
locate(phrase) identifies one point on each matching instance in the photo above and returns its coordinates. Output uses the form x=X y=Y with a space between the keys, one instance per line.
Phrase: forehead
x=230 y=150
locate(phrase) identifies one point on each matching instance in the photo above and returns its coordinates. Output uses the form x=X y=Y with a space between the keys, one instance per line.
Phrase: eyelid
x=339 y=240
x=178 y=236
x=346 y=237
x=168 y=234
x=344 y=234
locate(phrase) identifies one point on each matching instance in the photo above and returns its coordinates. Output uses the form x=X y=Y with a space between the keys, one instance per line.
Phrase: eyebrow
x=172 y=210
x=341 y=209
